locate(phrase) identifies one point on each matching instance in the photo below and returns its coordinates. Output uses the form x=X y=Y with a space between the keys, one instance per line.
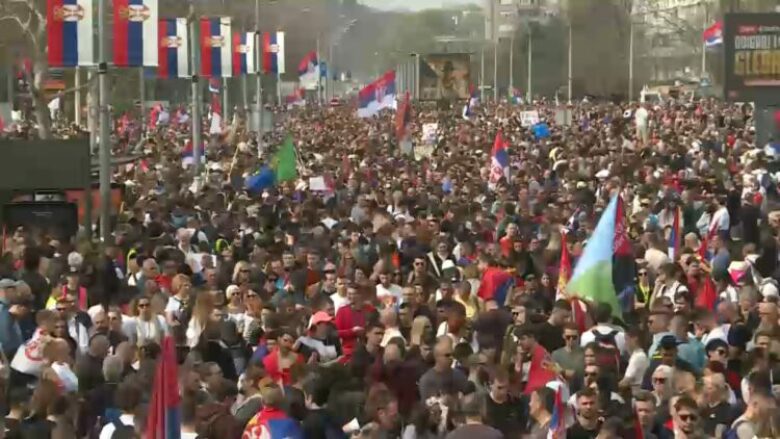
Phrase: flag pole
x=196 y=117
x=259 y=67
x=105 y=145
x=278 y=89
x=319 y=75
x=76 y=101
x=225 y=100
x=142 y=87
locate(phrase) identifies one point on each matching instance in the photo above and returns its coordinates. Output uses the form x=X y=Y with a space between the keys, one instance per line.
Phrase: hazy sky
x=415 y=5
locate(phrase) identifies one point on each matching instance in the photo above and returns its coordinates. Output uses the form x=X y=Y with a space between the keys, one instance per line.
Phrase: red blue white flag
x=675 y=235
x=308 y=71
x=174 y=43
x=273 y=52
x=70 y=33
x=499 y=161
x=216 y=56
x=377 y=96
x=713 y=35
x=135 y=33
x=244 y=54
x=164 y=415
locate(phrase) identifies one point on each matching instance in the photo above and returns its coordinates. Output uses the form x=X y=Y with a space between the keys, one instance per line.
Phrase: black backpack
x=123 y=431
x=608 y=355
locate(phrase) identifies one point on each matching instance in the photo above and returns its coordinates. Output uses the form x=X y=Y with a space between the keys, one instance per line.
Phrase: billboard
x=445 y=76
x=44 y=164
x=751 y=49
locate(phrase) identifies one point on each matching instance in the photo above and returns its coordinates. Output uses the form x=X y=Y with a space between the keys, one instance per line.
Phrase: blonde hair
x=178 y=281
x=418 y=329
x=240 y=265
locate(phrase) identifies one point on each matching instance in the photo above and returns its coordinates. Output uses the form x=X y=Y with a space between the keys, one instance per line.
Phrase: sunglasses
x=642 y=273
x=419 y=264
x=591 y=374
x=569 y=337
x=143 y=305
x=687 y=417
x=659 y=380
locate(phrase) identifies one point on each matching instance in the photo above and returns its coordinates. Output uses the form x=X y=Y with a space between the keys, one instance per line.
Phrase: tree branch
x=89 y=83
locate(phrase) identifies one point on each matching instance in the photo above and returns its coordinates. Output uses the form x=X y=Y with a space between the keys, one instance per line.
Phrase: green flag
x=285 y=162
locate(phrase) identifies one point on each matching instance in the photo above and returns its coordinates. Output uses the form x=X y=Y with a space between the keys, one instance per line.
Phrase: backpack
x=608 y=355
x=731 y=433
x=122 y=431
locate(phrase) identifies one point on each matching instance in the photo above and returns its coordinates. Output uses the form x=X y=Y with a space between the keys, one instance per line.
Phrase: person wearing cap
x=316 y=341
x=667 y=356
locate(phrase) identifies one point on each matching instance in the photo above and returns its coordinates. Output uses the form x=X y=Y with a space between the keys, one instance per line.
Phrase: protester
x=415 y=295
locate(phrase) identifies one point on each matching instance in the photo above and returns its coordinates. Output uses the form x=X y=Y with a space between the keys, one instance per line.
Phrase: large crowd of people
x=351 y=301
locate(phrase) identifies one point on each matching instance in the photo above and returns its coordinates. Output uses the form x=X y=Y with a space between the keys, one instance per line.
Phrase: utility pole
x=76 y=100
x=530 y=95
x=495 y=69
x=142 y=86
x=195 y=90
x=569 y=78
x=105 y=141
x=512 y=62
x=703 y=45
x=482 y=72
x=259 y=87
x=319 y=73
x=631 y=61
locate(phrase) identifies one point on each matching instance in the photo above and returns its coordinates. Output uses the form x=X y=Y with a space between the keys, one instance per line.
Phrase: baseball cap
x=320 y=317
x=668 y=342
x=8 y=283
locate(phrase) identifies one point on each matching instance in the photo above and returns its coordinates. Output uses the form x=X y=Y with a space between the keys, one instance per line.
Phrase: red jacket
x=346 y=319
x=271 y=364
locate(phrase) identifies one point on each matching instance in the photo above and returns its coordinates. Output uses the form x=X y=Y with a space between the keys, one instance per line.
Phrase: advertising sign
x=751 y=48
x=445 y=76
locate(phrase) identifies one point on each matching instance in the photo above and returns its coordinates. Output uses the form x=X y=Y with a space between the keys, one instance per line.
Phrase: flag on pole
x=541 y=370
x=216 y=56
x=244 y=54
x=558 y=421
x=674 y=235
x=377 y=95
x=402 y=118
x=713 y=35
x=285 y=162
x=164 y=415
x=70 y=33
x=499 y=161
x=216 y=114
x=135 y=29
x=495 y=285
x=273 y=52
x=564 y=268
x=174 y=41
x=592 y=278
x=308 y=70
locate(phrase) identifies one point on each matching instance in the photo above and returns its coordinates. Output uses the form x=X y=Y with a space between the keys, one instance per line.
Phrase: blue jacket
x=10 y=332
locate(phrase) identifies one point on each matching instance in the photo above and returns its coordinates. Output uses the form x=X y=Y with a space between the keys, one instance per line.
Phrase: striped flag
x=70 y=33
x=713 y=35
x=273 y=52
x=244 y=54
x=216 y=54
x=558 y=421
x=674 y=235
x=164 y=416
x=135 y=30
x=174 y=43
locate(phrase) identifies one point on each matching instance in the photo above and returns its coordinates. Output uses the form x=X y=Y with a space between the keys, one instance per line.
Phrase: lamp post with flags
x=105 y=144
x=195 y=90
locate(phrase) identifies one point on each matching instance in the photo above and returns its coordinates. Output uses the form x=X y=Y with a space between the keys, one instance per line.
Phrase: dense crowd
x=360 y=308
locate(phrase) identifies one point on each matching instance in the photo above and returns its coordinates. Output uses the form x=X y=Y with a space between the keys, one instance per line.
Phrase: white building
x=672 y=29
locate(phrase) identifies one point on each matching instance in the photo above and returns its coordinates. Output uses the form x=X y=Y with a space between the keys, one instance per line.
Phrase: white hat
x=604 y=173
x=231 y=290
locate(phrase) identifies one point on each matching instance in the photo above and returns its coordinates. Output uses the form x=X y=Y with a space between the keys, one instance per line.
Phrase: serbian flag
x=499 y=161
x=135 y=29
x=402 y=118
x=164 y=416
x=273 y=52
x=541 y=371
x=244 y=54
x=173 y=59
x=713 y=35
x=674 y=236
x=216 y=54
x=69 y=33
x=558 y=421
x=495 y=285
x=216 y=115
x=308 y=71
x=377 y=96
